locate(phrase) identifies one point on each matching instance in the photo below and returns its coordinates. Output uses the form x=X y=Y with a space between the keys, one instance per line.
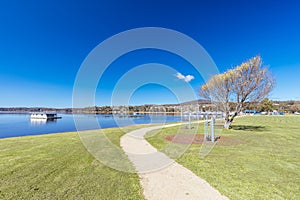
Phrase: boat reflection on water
x=37 y=122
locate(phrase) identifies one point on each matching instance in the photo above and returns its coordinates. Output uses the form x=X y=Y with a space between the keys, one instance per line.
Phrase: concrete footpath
x=161 y=177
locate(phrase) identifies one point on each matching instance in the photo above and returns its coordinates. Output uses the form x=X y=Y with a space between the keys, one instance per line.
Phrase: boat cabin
x=43 y=116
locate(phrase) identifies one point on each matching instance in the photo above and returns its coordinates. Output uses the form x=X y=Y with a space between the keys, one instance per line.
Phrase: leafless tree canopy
x=248 y=82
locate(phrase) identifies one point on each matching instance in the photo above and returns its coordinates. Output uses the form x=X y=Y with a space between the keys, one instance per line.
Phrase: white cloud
x=186 y=78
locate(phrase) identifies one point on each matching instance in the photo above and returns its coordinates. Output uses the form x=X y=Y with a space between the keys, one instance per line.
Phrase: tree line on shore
x=266 y=105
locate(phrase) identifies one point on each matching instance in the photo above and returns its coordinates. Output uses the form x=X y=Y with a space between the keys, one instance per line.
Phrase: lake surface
x=13 y=125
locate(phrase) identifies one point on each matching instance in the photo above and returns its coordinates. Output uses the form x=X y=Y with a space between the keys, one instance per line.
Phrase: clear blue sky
x=43 y=43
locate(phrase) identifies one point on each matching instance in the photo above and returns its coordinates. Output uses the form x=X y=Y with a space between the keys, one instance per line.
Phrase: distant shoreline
x=88 y=113
x=201 y=104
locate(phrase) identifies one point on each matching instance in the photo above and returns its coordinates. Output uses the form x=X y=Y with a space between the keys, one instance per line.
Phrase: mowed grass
x=57 y=166
x=266 y=166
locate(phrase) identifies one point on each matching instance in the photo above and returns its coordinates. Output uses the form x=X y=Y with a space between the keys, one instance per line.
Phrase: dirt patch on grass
x=199 y=139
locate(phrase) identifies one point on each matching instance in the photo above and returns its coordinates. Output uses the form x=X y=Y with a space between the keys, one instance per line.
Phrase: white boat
x=35 y=121
x=40 y=115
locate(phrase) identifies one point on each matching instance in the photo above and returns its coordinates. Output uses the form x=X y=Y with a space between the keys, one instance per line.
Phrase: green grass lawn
x=57 y=166
x=266 y=166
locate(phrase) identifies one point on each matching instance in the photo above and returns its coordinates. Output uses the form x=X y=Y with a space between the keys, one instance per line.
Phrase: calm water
x=13 y=125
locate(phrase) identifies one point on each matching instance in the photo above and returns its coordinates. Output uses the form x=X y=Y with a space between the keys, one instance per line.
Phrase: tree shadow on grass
x=248 y=128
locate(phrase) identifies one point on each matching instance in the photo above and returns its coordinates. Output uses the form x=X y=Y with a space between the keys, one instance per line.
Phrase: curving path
x=161 y=177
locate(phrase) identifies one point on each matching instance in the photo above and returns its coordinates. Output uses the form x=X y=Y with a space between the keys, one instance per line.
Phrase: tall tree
x=266 y=105
x=248 y=82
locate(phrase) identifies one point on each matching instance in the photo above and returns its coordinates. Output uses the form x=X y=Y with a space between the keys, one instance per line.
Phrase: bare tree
x=247 y=82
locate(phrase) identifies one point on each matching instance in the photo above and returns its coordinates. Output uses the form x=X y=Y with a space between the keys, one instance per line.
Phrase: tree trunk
x=229 y=120
x=227 y=124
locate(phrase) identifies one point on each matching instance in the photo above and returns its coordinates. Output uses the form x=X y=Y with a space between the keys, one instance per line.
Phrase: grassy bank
x=57 y=166
x=265 y=166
